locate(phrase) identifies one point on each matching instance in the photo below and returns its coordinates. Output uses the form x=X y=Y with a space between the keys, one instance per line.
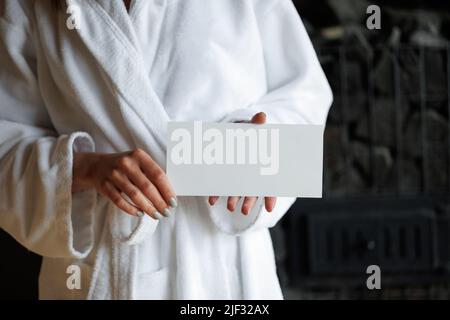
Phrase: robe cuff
x=129 y=230
x=76 y=210
x=235 y=223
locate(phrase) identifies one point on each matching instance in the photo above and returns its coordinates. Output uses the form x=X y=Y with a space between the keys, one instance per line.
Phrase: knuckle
x=133 y=193
x=117 y=199
x=146 y=186
x=115 y=174
x=125 y=163
x=104 y=186
x=158 y=175
x=138 y=153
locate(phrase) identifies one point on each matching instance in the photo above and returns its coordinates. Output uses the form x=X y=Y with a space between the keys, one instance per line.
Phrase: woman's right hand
x=134 y=174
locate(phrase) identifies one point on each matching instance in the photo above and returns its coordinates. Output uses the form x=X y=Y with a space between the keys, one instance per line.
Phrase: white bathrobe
x=111 y=86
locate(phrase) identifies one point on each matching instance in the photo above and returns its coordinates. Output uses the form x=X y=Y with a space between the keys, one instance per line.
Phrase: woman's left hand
x=249 y=202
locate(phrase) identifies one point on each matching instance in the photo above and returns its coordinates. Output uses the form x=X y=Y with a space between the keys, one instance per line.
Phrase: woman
x=85 y=97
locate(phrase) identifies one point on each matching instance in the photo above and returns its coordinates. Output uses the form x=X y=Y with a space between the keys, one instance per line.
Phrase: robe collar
x=107 y=31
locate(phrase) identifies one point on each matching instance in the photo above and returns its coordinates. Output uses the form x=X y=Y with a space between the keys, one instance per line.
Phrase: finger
x=158 y=177
x=231 y=203
x=270 y=203
x=259 y=118
x=212 y=200
x=111 y=192
x=248 y=204
x=122 y=183
x=150 y=191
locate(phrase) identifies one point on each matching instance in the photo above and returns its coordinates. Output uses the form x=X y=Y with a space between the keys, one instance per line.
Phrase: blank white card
x=237 y=159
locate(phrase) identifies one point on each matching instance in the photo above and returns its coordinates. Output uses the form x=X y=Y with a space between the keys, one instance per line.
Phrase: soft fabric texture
x=111 y=86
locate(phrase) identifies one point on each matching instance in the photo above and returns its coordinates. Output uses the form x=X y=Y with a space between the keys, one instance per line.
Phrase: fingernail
x=140 y=214
x=158 y=215
x=167 y=213
x=173 y=202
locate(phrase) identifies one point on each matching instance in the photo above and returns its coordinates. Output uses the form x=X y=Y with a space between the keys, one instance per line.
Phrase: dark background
x=386 y=157
x=386 y=166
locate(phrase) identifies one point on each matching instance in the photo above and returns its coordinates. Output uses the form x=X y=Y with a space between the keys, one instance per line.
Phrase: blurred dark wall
x=19 y=270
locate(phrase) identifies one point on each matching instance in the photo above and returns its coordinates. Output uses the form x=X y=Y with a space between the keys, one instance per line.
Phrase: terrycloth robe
x=111 y=85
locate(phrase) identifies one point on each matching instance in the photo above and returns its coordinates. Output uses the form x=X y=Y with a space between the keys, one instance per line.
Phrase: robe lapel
x=117 y=51
x=120 y=17
x=107 y=31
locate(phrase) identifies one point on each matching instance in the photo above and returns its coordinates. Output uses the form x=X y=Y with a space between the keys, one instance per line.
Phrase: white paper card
x=237 y=159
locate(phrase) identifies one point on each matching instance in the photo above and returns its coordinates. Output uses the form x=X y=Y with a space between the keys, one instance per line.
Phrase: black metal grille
x=397 y=242
x=386 y=174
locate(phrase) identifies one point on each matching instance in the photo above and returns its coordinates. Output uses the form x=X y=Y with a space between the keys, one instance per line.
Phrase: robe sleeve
x=37 y=206
x=297 y=93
